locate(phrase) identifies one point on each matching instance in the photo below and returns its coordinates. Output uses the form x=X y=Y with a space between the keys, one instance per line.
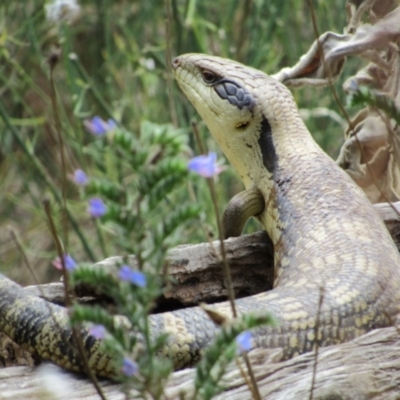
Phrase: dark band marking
x=267 y=145
x=234 y=93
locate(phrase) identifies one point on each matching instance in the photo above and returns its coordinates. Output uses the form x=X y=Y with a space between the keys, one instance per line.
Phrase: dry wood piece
x=365 y=368
x=368 y=367
x=197 y=270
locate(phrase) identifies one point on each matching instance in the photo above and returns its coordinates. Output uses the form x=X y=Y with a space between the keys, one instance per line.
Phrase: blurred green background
x=112 y=63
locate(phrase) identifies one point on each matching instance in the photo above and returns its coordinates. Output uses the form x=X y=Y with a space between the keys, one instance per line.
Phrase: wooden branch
x=365 y=368
x=369 y=365
x=197 y=270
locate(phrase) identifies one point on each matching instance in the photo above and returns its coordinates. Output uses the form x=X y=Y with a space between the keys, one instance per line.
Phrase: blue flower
x=97 y=331
x=138 y=278
x=97 y=208
x=98 y=126
x=129 y=367
x=69 y=263
x=244 y=342
x=205 y=166
x=80 y=178
x=126 y=274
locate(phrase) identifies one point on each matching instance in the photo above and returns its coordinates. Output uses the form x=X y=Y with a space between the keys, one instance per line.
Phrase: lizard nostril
x=176 y=62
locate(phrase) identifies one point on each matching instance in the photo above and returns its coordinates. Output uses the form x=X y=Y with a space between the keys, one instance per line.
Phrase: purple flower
x=244 y=342
x=97 y=208
x=69 y=263
x=138 y=278
x=129 y=367
x=97 y=331
x=98 y=127
x=126 y=274
x=80 y=178
x=205 y=166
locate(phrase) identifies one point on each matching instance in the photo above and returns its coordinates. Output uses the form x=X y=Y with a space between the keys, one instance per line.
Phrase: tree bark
x=365 y=368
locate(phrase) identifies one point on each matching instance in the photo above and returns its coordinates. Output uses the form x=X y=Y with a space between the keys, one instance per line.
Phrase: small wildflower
x=129 y=367
x=59 y=11
x=50 y=382
x=205 y=166
x=69 y=263
x=97 y=331
x=148 y=63
x=244 y=342
x=127 y=274
x=97 y=208
x=352 y=86
x=79 y=177
x=138 y=278
x=98 y=127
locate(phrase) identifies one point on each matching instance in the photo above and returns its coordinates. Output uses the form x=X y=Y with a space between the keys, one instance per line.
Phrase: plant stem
x=44 y=176
x=69 y=299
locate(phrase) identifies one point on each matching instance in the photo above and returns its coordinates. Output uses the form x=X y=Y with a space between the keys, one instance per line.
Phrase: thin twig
x=100 y=237
x=168 y=60
x=96 y=93
x=68 y=299
x=227 y=272
x=192 y=194
x=253 y=387
x=207 y=234
x=53 y=61
x=41 y=170
x=243 y=12
x=20 y=247
x=316 y=330
x=26 y=261
x=60 y=251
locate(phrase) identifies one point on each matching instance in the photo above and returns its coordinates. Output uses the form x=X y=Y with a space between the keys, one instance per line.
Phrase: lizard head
x=233 y=100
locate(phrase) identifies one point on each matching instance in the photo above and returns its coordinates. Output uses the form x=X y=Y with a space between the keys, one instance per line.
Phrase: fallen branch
x=197 y=271
x=365 y=368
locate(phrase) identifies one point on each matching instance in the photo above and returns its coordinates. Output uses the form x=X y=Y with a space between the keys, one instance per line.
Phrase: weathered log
x=197 y=270
x=365 y=368
x=368 y=367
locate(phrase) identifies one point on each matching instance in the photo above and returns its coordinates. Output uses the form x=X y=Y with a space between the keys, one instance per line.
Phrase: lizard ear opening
x=242 y=125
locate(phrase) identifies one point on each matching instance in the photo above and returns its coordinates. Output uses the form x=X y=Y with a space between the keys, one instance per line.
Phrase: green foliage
x=221 y=352
x=363 y=96
x=127 y=335
x=151 y=172
x=111 y=62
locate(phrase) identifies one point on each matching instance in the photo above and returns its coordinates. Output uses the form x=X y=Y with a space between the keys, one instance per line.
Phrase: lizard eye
x=209 y=77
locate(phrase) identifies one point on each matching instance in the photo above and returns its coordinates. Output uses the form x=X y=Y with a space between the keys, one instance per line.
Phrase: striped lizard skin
x=325 y=233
